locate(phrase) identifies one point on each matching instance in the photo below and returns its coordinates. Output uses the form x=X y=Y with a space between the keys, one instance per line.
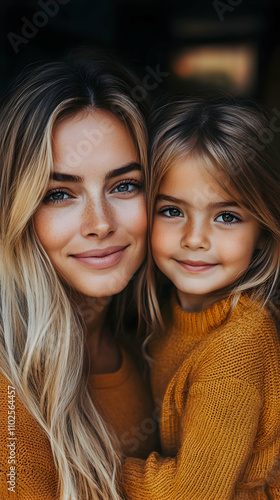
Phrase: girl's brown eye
x=227 y=218
x=174 y=212
x=171 y=212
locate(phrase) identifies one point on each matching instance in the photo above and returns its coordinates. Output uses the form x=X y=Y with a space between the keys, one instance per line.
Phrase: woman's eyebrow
x=56 y=176
x=123 y=170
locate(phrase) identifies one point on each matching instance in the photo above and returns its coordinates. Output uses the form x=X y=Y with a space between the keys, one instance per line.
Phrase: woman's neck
x=103 y=350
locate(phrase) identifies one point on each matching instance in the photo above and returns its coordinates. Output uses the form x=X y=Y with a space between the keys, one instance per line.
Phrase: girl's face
x=92 y=221
x=202 y=240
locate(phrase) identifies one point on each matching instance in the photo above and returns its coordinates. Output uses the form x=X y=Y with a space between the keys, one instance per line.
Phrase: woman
x=73 y=233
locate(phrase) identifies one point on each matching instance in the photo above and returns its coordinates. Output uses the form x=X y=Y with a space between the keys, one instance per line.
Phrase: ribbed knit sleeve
x=216 y=380
x=219 y=425
x=27 y=469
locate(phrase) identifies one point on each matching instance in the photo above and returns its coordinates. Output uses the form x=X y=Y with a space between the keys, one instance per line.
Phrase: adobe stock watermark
x=94 y=137
x=91 y=307
x=222 y=7
x=30 y=28
x=152 y=79
x=249 y=150
x=265 y=136
x=11 y=439
x=133 y=438
x=91 y=138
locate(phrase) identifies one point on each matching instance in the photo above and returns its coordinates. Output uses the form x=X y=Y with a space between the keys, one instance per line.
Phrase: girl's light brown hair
x=226 y=136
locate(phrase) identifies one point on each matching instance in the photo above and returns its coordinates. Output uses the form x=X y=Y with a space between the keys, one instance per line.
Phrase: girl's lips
x=101 y=259
x=196 y=266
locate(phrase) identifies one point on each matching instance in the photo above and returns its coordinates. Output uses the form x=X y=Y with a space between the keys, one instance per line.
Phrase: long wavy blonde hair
x=234 y=142
x=42 y=344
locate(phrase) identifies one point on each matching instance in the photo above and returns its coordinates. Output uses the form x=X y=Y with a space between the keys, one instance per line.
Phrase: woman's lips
x=196 y=266
x=101 y=258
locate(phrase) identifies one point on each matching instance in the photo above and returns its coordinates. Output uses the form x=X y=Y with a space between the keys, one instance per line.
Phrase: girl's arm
x=218 y=427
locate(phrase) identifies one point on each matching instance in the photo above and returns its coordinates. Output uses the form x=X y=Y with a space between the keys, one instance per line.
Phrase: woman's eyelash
x=135 y=183
x=48 y=196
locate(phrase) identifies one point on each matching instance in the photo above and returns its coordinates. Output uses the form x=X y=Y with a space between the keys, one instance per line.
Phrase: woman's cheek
x=136 y=217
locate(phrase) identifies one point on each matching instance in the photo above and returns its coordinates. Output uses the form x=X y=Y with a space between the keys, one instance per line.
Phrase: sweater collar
x=203 y=322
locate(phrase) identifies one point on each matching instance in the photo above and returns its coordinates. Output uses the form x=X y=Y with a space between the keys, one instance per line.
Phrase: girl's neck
x=195 y=303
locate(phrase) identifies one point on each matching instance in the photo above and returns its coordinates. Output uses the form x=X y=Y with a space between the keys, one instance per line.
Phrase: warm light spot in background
x=230 y=67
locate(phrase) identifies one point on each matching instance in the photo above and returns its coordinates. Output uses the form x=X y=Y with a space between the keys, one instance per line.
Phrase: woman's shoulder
x=16 y=422
x=23 y=445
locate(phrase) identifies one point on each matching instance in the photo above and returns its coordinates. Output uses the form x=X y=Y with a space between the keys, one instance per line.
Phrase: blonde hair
x=42 y=345
x=225 y=135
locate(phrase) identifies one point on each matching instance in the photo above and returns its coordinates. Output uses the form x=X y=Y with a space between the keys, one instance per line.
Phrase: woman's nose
x=196 y=235
x=97 y=220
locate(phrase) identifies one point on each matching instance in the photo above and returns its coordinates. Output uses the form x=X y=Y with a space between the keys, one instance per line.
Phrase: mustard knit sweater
x=216 y=383
x=122 y=399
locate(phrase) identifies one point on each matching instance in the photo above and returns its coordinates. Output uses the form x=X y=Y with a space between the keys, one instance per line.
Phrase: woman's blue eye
x=227 y=218
x=172 y=212
x=59 y=195
x=56 y=197
x=125 y=187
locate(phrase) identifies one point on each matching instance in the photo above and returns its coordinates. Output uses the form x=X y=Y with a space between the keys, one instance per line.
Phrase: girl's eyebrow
x=224 y=204
x=220 y=204
x=61 y=177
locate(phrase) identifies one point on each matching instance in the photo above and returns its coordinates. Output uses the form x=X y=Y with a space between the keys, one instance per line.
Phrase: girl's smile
x=92 y=222
x=201 y=240
x=196 y=266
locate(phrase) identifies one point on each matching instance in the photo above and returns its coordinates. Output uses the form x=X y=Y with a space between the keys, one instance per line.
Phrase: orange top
x=125 y=403
x=216 y=382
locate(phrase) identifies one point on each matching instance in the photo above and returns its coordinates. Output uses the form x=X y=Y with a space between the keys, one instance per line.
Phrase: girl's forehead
x=190 y=179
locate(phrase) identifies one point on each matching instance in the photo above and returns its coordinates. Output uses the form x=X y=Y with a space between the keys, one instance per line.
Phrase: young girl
x=72 y=233
x=215 y=368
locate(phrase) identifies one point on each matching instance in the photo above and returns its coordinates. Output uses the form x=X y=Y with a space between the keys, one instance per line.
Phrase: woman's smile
x=92 y=222
x=101 y=258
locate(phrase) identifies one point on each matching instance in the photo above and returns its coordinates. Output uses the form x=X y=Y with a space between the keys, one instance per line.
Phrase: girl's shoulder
x=245 y=345
x=253 y=319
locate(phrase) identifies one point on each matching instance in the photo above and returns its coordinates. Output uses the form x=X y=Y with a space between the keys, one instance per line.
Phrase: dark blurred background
x=182 y=45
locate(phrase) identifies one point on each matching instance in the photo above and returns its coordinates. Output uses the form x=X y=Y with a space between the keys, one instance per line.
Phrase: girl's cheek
x=156 y=236
x=161 y=241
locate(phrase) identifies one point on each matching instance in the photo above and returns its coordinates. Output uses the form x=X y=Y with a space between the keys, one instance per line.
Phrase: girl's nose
x=97 y=220
x=196 y=235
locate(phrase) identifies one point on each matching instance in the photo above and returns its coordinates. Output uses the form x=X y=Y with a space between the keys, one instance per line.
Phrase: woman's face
x=92 y=222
